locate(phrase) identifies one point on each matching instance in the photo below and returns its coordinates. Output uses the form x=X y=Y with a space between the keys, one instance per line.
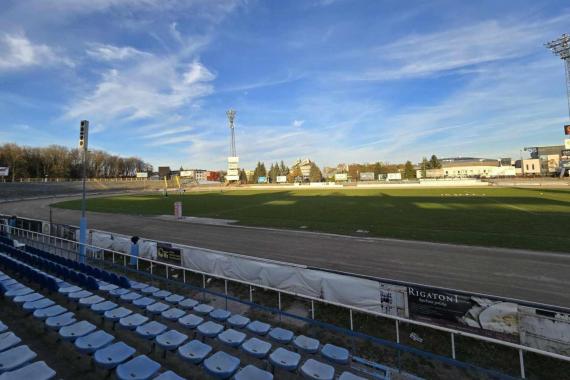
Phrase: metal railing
x=69 y=248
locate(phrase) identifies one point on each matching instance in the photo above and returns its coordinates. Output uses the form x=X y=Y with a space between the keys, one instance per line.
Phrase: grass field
x=535 y=219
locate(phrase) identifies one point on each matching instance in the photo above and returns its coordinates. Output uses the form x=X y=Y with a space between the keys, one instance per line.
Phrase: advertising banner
x=367 y=176
x=567 y=129
x=186 y=173
x=4 y=171
x=394 y=176
x=233 y=172
x=166 y=252
x=281 y=178
x=234 y=160
x=142 y=175
x=341 y=177
x=232 y=178
x=567 y=144
x=261 y=179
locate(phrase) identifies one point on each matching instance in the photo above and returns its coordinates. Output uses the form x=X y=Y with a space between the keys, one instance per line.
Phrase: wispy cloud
x=105 y=52
x=18 y=52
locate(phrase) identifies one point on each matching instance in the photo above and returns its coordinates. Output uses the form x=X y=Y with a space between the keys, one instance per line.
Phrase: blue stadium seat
x=285 y=359
x=203 y=309
x=171 y=340
x=168 y=375
x=221 y=365
x=48 y=312
x=220 y=315
x=69 y=289
x=349 y=376
x=94 y=341
x=336 y=354
x=161 y=294
x=130 y=296
x=59 y=321
x=280 y=335
x=15 y=358
x=232 y=338
x=150 y=330
x=238 y=321
x=306 y=344
x=76 y=330
x=103 y=307
x=114 y=315
x=76 y=296
x=150 y=290
x=108 y=287
x=138 y=285
x=210 y=329
x=174 y=299
x=259 y=328
x=39 y=304
x=8 y=340
x=173 y=314
x=251 y=372
x=256 y=348
x=138 y=368
x=195 y=351
x=118 y=292
x=35 y=371
x=132 y=321
x=90 y=301
x=28 y=298
x=316 y=370
x=113 y=355
x=188 y=304
x=190 y=321
x=14 y=292
x=143 y=302
x=157 y=308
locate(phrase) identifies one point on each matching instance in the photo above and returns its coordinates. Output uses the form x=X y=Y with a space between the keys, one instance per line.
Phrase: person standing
x=134 y=250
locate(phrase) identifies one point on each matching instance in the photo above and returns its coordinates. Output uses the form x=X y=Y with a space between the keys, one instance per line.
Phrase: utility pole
x=83 y=139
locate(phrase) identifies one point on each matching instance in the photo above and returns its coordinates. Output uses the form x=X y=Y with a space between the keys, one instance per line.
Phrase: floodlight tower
x=231 y=117
x=561 y=48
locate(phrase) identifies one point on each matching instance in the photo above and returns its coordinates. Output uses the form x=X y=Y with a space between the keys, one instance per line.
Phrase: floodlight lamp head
x=231 y=114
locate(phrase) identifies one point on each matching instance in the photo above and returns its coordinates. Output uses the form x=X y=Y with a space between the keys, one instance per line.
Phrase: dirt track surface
x=527 y=275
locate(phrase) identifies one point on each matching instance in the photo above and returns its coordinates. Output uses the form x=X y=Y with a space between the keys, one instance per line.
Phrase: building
x=469 y=167
x=195 y=174
x=305 y=166
x=212 y=176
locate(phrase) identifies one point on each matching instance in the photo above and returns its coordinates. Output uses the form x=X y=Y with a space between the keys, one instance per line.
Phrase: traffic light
x=83 y=134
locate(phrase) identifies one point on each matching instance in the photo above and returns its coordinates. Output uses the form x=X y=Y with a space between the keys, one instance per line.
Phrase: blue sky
x=335 y=81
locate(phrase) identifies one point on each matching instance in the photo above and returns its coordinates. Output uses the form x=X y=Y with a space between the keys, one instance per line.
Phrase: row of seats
x=172 y=307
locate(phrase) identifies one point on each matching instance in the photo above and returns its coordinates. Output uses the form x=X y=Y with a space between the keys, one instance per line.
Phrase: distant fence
x=68 y=246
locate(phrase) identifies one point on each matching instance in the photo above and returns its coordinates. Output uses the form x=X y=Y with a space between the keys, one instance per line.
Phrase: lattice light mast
x=231 y=116
x=561 y=48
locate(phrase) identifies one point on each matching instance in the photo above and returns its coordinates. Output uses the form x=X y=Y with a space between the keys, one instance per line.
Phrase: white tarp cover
x=545 y=332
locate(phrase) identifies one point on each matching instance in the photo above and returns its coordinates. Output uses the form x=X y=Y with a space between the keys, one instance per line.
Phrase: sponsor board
x=367 y=176
x=567 y=129
x=394 y=176
x=281 y=178
x=233 y=172
x=565 y=153
x=341 y=177
x=186 y=173
x=166 y=252
x=233 y=165
x=261 y=179
x=233 y=160
x=4 y=171
x=232 y=178
x=142 y=175
x=566 y=143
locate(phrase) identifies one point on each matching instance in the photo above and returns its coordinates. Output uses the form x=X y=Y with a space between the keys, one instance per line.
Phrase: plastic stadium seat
x=28 y=298
x=139 y=368
x=14 y=292
x=35 y=371
x=161 y=294
x=92 y=342
x=285 y=359
x=130 y=296
x=174 y=299
x=76 y=330
x=150 y=330
x=132 y=321
x=8 y=340
x=48 y=312
x=118 y=292
x=280 y=335
x=220 y=315
x=108 y=287
x=157 y=308
x=349 y=376
x=103 y=307
x=116 y=314
x=169 y=375
x=339 y=355
x=171 y=340
x=256 y=348
x=232 y=338
x=15 y=357
x=221 y=365
x=113 y=355
x=143 y=302
x=39 y=304
x=90 y=301
x=203 y=309
x=210 y=329
x=190 y=321
x=188 y=303
x=138 y=285
x=306 y=344
x=173 y=314
x=78 y=295
x=259 y=328
x=69 y=289
x=65 y=319
x=238 y=321
x=150 y=290
x=195 y=351
x=3 y=327
x=251 y=372
x=316 y=370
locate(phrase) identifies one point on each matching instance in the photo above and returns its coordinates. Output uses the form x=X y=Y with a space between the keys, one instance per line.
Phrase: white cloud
x=197 y=73
x=298 y=123
x=105 y=52
x=18 y=52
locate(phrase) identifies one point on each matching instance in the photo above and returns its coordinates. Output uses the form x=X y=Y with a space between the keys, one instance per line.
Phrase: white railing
x=71 y=246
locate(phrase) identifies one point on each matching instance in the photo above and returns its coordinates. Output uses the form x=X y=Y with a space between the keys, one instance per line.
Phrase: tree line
x=56 y=161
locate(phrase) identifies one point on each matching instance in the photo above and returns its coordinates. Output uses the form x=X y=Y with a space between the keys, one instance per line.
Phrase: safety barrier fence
x=172 y=272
